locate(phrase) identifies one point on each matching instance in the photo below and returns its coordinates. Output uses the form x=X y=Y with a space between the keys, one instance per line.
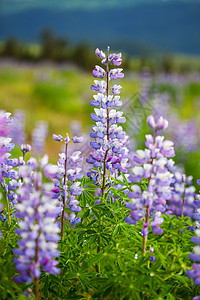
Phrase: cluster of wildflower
x=186 y=135
x=39 y=135
x=145 y=86
x=195 y=257
x=5 y=141
x=161 y=105
x=66 y=185
x=110 y=140
x=196 y=205
x=17 y=132
x=152 y=164
x=181 y=202
x=36 y=211
x=5 y=147
x=10 y=171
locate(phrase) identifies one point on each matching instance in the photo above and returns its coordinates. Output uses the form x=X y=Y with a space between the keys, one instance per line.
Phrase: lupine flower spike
x=110 y=151
x=37 y=211
x=66 y=185
x=152 y=165
x=5 y=146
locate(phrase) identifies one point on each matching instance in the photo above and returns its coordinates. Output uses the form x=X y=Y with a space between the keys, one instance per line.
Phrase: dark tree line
x=58 y=49
x=51 y=48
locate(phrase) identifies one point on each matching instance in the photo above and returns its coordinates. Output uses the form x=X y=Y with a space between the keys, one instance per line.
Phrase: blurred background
x=47 y=57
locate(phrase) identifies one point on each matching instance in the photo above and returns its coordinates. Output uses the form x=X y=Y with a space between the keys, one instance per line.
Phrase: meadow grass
x=61 y=94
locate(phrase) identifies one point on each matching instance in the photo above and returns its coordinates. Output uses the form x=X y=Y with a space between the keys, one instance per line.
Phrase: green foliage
x=101 y=257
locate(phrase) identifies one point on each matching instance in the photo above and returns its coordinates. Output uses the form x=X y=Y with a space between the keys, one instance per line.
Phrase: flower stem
x=36 y=262
x=104 y=174
x=36 y=288
x=37 y=246
x=8 y=208
x=108 y=125
x=183 y=198
x=144 y=242
x=64 y=195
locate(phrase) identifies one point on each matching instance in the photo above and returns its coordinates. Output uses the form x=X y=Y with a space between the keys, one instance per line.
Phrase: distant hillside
x=157 y=27
x=7 y=6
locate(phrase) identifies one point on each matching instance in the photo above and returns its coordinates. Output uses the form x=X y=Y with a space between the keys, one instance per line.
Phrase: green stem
x=183 y=198
x=8 y=208
x=144 y=242
x=64 y=197
x=108 y=125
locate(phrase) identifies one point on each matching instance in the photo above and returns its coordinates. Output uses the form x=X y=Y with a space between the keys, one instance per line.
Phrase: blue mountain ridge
x=161 y=27
x=19 y=5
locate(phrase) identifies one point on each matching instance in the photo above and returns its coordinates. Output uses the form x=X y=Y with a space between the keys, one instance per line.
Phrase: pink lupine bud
x=151 y=121
x=25 y=148
x=67 y=139
x=162 y=123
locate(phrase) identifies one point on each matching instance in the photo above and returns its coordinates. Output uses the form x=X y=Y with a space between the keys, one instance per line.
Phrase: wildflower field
x=99 y=182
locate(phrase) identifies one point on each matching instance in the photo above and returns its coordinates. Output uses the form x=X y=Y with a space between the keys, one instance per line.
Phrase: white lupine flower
x=167 y=144
x=20 y=207
x=138 y=171
x=30 y=211
x=147 y=167
x=30 y=244
x=75 y=156
x=196 y=250
x=190 y=189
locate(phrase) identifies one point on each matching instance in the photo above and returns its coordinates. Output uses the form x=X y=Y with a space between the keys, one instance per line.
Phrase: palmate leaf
x=46 y=287
x=167 y=290
x=97 y=257
x=170 y=297
x=116 y=231
x=86 y=214
x=84 y=284
x=83 y=200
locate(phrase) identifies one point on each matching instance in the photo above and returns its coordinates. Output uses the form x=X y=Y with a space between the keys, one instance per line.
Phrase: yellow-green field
x=56 y=95
x=61 y=94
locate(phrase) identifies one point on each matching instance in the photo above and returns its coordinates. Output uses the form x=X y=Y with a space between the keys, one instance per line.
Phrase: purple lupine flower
x=109 y=144
x=58 y=137
x=182 y=200
x=156 y=223
x=195 y=256
x=66 y=186
x=196 y=205
x=152 y=165
x=115 y=59
x=100 y=53
x=116 y=89
x=100 y=86
x=77 y=139
x=116 y=73
x=99 y=72
x=39 y=135
x=38 y=230
x=25 y=148
x=160 y=124
x=17 y=128
x=7 y=164
x=152 y=258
